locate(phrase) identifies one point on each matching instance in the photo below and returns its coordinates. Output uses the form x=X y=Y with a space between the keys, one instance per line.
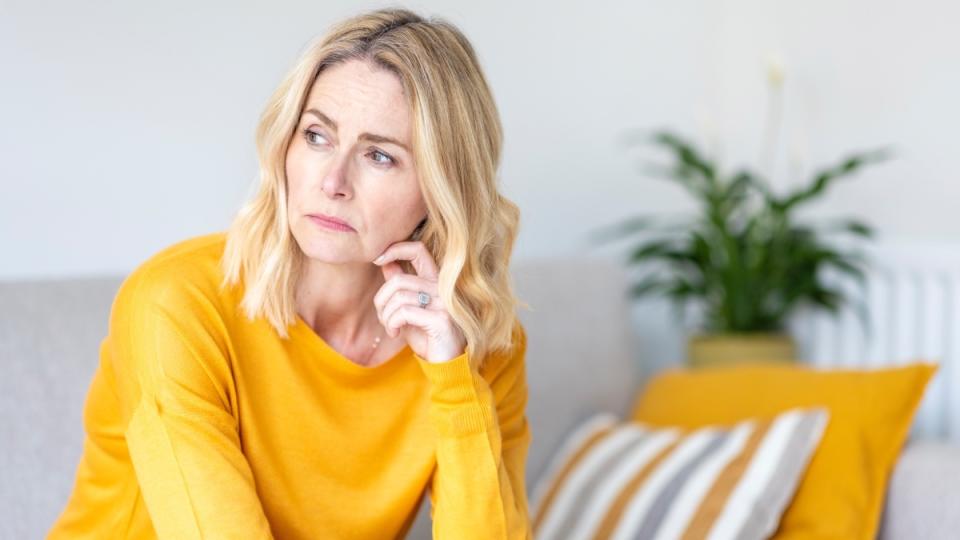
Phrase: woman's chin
x=332 y=255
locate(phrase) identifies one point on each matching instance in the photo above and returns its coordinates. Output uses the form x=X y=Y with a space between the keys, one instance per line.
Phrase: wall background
x=126 y=127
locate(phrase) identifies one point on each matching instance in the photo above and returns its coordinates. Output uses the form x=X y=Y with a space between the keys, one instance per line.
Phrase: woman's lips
x=329 y=224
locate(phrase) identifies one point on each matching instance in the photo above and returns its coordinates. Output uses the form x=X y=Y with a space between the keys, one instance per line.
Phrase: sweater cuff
x=460 y=399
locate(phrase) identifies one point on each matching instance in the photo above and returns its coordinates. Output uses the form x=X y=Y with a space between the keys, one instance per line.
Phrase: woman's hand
x=430 y=331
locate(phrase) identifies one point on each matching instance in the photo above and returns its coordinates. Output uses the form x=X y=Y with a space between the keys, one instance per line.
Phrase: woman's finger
x=408 y=282
x=414 y=251
x=431 y=322
x=406 y=298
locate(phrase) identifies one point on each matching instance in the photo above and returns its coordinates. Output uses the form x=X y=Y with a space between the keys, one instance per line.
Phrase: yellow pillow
x=871 y=410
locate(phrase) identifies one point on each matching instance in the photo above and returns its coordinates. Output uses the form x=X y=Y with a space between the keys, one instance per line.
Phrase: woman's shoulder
x=196 y=253
x=168 y=323
x=179 y=275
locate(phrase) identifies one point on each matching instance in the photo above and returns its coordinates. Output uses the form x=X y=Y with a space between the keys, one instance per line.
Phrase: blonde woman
x=349 y=343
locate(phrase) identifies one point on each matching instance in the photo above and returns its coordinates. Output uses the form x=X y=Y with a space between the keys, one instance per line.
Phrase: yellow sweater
x=202 y=424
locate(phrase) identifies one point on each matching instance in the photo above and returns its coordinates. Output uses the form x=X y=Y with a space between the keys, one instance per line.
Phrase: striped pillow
x=623 y=479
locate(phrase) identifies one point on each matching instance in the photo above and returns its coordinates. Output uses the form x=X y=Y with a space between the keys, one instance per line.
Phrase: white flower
x=775 y=69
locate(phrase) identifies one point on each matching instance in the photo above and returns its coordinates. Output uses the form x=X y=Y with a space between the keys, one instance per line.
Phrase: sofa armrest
x=923 y=492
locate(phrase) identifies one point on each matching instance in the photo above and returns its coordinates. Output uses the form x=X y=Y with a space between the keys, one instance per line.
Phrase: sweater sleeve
x=173 y=382
x=478 y=487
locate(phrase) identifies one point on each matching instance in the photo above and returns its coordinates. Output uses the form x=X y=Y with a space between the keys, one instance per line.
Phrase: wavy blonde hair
x=457 y=137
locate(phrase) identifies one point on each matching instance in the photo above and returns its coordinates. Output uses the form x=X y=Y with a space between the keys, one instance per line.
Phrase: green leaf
x=648 y=286
x=827 y=298
x=686 y=154
x=624 y=228
x=823 y=179
x=855 y=227
x=651 y=250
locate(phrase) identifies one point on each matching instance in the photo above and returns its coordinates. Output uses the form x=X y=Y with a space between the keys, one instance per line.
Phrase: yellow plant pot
x=723 y=349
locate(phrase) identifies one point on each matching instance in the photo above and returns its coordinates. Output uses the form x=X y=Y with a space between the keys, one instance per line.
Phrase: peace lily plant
x=745 y=258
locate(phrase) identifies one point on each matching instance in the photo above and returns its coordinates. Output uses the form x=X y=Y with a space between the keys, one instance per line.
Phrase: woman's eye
x=309 y=135
x=386 y=160
x=378 y=157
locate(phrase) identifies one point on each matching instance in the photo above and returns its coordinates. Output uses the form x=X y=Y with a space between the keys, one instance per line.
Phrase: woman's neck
x=337 y=300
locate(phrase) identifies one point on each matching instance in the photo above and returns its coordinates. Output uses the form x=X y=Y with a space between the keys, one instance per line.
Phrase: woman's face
x=351 y=158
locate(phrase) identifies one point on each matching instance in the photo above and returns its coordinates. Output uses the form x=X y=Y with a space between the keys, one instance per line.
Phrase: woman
x=379 y=240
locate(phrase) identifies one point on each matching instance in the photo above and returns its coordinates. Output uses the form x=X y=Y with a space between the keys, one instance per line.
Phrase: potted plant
x=745 y=258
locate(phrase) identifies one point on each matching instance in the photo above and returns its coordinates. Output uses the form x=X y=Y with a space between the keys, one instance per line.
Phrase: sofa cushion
x=924 y=490
x=624 y=479
x=871 y=411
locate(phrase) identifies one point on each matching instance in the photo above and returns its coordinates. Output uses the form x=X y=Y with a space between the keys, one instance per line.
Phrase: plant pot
x=723 y=349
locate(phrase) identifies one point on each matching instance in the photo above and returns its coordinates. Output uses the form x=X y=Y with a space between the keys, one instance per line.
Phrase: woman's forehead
x=357 y=89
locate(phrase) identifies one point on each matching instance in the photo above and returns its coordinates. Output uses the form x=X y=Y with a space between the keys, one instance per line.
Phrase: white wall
x=127 y=127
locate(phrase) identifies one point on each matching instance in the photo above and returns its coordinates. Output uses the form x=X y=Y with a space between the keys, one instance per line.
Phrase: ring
x=423 y=298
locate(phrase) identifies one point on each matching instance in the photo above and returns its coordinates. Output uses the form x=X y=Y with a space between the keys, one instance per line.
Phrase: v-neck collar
x=341 y=362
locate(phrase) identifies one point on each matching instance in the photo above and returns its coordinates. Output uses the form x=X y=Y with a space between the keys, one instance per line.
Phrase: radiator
x=911 y=303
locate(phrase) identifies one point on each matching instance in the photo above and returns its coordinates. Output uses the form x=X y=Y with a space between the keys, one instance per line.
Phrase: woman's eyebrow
x=366 y=135
x=323 y=118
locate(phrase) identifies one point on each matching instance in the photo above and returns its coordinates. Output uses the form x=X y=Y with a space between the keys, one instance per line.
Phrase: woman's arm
x=168 y=354
x=478 y=488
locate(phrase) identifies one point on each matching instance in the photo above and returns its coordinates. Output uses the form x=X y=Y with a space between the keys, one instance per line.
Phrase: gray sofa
x=582 y=358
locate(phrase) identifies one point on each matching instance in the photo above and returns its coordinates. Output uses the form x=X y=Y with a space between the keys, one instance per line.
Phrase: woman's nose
x=336 y=182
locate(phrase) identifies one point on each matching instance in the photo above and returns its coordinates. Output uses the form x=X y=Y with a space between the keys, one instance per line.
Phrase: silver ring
x=423 y=298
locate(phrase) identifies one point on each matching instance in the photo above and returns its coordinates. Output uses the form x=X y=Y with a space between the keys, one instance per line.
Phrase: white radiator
x=912 y=304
